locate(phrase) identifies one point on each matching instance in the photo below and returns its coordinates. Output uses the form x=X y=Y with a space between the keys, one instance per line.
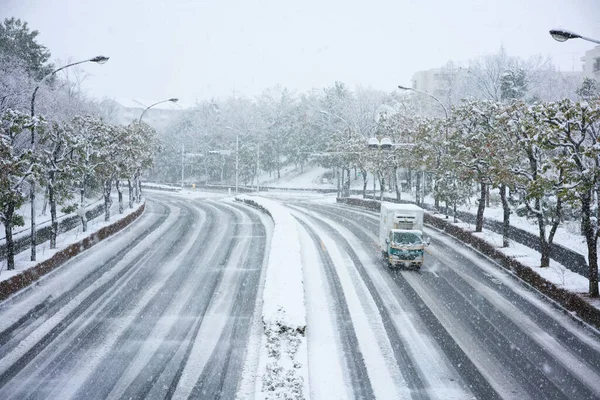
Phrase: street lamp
x=428 y=94
x=172 y=100
x=562 y=35
x=336 y=116
x=237 y=148
x=97 y=60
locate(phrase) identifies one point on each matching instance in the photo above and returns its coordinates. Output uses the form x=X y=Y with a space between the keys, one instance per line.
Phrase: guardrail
x=43 y=234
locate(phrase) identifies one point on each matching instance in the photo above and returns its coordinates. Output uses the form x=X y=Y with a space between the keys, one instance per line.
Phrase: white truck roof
x=404 y=207
x=415 y=231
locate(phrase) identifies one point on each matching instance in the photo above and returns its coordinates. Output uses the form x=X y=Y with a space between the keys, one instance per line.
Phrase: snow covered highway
x=165 y=308
x=460 y=328
x=171 y=307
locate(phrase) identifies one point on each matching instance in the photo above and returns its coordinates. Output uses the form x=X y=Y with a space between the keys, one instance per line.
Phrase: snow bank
x=283 y=361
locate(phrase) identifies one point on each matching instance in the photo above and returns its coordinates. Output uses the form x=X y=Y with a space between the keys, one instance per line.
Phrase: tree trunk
x=592 y=241
x=481 y=208
x=544 y=247
x=107 y=199
x=54 y=222
x=339 y=189
x=454 y=212
x=418 y=188
x=45 y=205
x=374 y=184
x=138 y=175
x=364 y=175
x=139 y=187
x=33 y=237
x=120 y=193
x=381 y=185
x=506 y=216
x=82 y=216
x=130 y=192
x=398 y=194
x=278 y=167
x=8 y=228
x=348 y=182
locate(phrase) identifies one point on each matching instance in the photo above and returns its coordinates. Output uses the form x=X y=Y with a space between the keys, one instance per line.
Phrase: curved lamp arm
x=428 y=94
x=172 y=100
x=98 y=60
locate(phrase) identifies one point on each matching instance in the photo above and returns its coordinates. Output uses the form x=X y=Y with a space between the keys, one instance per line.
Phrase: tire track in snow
x=225 y=370
x=147 y=345
x=467 y=369
x=58 y=318
x=511 y=321
x=51 y=305
x=412 y=375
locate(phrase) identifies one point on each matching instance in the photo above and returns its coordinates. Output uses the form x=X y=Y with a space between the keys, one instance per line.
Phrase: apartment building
x=591 y=63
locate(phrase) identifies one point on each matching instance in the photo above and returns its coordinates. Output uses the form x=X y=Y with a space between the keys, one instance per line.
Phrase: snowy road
x=166 y=308
x=458 y=329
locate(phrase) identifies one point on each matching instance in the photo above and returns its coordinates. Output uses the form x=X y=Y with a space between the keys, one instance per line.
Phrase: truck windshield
x=406 y=238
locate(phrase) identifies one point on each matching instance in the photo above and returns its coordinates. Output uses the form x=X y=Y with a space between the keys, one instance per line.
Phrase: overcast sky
x=198 y=49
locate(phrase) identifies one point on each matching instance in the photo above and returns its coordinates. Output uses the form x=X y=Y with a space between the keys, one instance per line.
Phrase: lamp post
x=172 y=100
x=97 y=60
x=562 y=35
x=138 y=173
x=427 y=94
x=237 y=148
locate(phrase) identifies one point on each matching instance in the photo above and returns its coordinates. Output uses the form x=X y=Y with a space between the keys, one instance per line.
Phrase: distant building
x=428 y=81
x=119 y=114
x=591 y=63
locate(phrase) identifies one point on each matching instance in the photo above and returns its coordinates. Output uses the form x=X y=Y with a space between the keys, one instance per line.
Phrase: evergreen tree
x=17 y=42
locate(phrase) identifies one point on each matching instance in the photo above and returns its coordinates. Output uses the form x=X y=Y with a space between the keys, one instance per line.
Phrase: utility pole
x=182 y=155
x=257 y=167
x=237 y=148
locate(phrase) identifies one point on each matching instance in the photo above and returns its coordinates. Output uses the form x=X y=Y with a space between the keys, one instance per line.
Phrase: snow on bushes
x=283 y=365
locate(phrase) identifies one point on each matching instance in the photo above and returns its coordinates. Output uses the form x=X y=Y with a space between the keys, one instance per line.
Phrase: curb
x=30 y=275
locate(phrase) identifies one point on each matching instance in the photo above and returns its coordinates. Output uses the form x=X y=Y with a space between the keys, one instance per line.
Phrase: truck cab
x=405 y=247
x=401 y=234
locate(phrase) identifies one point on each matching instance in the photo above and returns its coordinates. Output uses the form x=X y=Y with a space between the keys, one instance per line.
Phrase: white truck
x=401 y=234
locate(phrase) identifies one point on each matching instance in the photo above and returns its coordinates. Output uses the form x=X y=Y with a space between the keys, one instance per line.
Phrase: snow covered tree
x=15 y=85
x=589 y=89
x=574 y=130
x=474 y=143
x=56 y=150
x=17 y=41
x=17 y=164
x=276 y=107
x=88 y=137
x=535 y=180
x=513 y=84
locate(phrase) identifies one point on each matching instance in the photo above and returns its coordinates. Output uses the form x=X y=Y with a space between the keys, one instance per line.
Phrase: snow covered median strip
x=283 y=362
